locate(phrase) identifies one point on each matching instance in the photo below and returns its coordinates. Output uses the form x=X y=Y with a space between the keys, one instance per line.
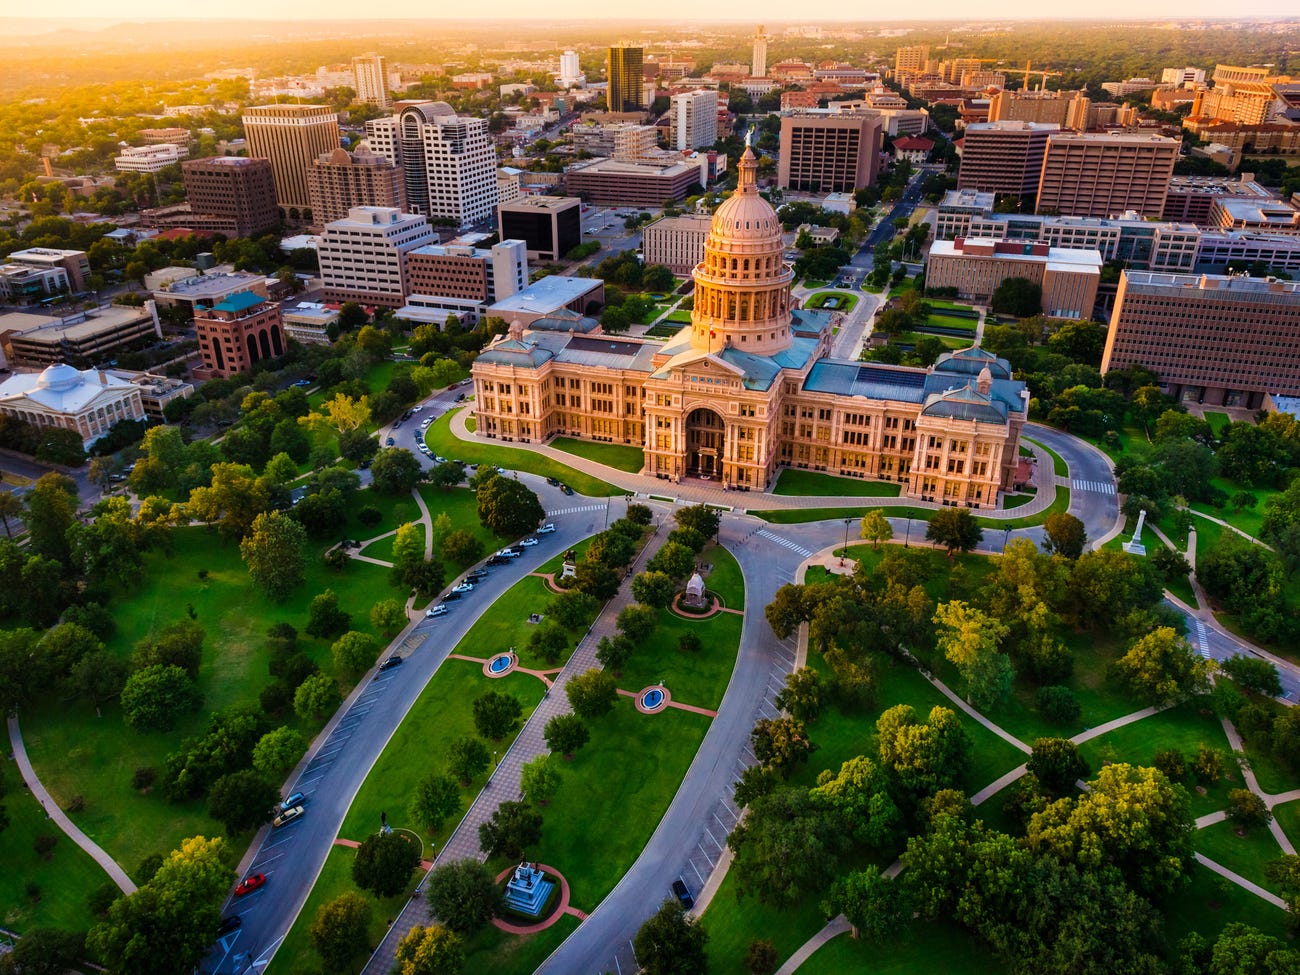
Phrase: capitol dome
x=742 y=287
x=59 y=377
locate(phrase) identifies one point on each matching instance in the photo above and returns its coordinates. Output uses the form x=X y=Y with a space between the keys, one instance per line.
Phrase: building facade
x=363 y=257
x=233 y=189
x=1004 y=157
x=61 y=397
x=84 y=337
x=550 y=225
x=976 y=266
x=749 y=388
x=570 y=70
x=291 y=136
x=370 y=74
x=676 y=242
x=471 y=274
x=609 y=182
x=837 y=154
x=237 y=333
x=694 y=119
x=149 y=159
x=1103 y=175
x=625 y=75
x=338 y=181
x=1222 y=341
x=74 y=265
x=448 y=161
x=758 y=60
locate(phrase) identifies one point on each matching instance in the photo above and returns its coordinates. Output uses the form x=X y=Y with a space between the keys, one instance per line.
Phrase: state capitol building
x=751 y=387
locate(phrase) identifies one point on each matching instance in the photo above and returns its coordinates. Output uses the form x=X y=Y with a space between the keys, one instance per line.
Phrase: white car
x=547 y=528
x=464 y=587
x=424 y=450
x=426 y=421
x=528 y=541
x=439 y=610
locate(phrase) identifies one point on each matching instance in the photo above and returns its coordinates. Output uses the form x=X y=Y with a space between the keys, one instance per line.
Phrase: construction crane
x=1045 y=74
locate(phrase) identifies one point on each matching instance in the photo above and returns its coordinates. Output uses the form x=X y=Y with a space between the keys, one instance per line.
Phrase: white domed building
x=89 y=402
x=751 y=386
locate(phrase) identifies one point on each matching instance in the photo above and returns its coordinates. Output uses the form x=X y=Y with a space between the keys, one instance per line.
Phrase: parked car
x=528 y=542
x=426 y=421
x=250 y=884
x=391 y=662
x=297 y=799
x=434 y=611
x=682 y=894
x=464 y=587
x=553 y=481
x=510 y=553
x=389 y=442
x=566 y=489
x=452 y=596
x=417 y=409
x=478 y=575
x=288 y=816
x=460 y=397
x=497 y=560
x=546 y=529
x=234 y=921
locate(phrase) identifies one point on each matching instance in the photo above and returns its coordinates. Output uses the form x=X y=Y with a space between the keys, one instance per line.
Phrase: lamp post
x=907 y=534
x=844 y=550
x=1006 y=537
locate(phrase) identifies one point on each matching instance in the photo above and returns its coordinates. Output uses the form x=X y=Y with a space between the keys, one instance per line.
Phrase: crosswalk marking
x=1097 y=487
x=575 y=510
x=792 y=546
x=1202 y=647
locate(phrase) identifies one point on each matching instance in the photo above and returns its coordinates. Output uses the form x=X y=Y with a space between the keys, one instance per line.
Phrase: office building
x=1256 y=216
x=694 y=119
x=1191 y=198
x=338 y=181
x=62 y=397
x=609 y=182
x=149 y=159
x=308 y=322
x=1102 y=175
x=236 y=333
x=975 y=266
x=758 y=63
x=1068 y=109
x=551 y=226
x=184 y=287
x=233 y=192
x=1219 y=341
x=448 y=161
x=81 y=336
x=911 y=60
x=1122 y=89
x=1183 y=77
x=72 y=268
x=953 y=215
x=749 y=388
x=156 y=390
x=676 y=242
x=570 y=71
x=363 y=257
x=291 y=136
x=1005 y=158
x=462 y=280
x=549 y=297
x=1224 y=251
x=626 y=84
x=834 y=154
x=370 y=73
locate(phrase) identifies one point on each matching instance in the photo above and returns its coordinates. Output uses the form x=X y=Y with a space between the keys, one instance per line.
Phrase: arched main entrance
x=705 y=434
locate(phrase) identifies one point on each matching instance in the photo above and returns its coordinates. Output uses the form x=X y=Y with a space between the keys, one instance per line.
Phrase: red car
x=250 y=884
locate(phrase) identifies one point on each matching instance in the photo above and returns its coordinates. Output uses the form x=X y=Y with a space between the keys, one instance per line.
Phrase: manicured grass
x=395 y=511
x=947 y=341
x=1010 y=501
x=733 y=922
x=493 y=951
x=678 y=316
x=77 y=753
x=1209 y=903
x=1059 y=504
x=1248 y=520
x=296 y=955
x=938 y=568
x=1217 y=421
x=725 y=578
x=439 y=716
x=800 y=516
x=442 y=442
x=613 y=795
x=699 y=678
x=66 y=880
x=1245 y=855
x=937 y=947
x=847 y=301
x=813 y=283
x=622 y=457
x=1288 y=817
x=505 y=624
x=461 y=506
x=1059 y=467
x=798 y=483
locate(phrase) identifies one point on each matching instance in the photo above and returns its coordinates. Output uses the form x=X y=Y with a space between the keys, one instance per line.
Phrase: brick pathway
x=503 y=786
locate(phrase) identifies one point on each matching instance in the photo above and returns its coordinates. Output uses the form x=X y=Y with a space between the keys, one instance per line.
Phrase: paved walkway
x=1240 y=881
x=834 y=928
x=1109 y=726
x=504 y=783
x=998 y=730
x=1252 y=783
x=59 y=817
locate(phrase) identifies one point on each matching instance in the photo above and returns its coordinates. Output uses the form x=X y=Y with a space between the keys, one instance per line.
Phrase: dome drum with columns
x=752 y=387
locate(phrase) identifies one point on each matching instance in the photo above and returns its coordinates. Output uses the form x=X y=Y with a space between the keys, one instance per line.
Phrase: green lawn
x=1059 y=504
x=296 y=955
x=442 y=442
x=733 y=922
x=799 y=516
x=798 y=483
x=937 y=947
x=1010 y=501
x=1288 y=817
x=725 y=578
x=1217 y=421
x=1210 y=903
x=622 y=457
x=1059 y=467
x=1249 y=520
x=461 y=506
x=1244 y=855
x=77 y=753
x=66 y=880
x=505 y=624
x=493 y=951
x=678 y=316
x=847 y=301
x=700 y=678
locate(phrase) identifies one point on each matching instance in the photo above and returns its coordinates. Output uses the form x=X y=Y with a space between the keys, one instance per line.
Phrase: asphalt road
x=885 y=230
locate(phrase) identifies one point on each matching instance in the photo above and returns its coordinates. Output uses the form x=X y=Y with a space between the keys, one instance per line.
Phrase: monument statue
x=1134 y=545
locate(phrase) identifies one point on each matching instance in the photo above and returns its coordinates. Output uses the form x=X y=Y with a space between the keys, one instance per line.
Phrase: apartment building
x=291 y=136
x=1102 y=175
x=1004 y=158
x=370 y=72
x=340 y=180
x=550 y=225
x=694 y=119
x=363 y=257
x=609 y=182
x=836 y=154
x=975 y=266
x=676 y=242
x=1220 y=341
x=236 y=333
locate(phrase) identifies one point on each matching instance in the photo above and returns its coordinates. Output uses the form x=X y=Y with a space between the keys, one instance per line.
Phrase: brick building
x=339 y=180
x=233 y=192
x=237 y=333
x=836 y=154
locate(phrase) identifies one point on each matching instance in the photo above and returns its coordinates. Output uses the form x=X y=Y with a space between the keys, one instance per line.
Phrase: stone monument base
x=1135 y=548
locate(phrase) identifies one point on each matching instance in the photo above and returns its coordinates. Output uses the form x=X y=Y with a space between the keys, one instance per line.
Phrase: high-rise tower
x=291 y=136
x=625 y=79
x=758 y=66
x=371 y=74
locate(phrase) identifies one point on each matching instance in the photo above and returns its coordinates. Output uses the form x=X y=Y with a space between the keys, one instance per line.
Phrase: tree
x=969 y=639
x=276 y=752
x=388 y=616
x=654 y=589
x=1285 y=873
x=11 y=506
x=1057 y=765
x=1066 y=534
x=98 y=677
x=61 y=648
x=549 y=641
x=1162 y=666
x=613 y=652
x=761 y=957
x=436 y=799
x=46 y=951
x=787 y=847
x=325 y=618
x=1247 y=810
x=395 y=471
x=1254 y=674
x=565 y=734
x=670 y=943
x=858 y=795
x=700 y=517
x=153 y=699
x=232 y=501
x=461 y=548
x=637 y=622
x=467 y=757
x=408 y=554
x=611 y=548
x=384 y=862
x=539 y=779
x=341 y=930
x=275 y=553
x=1018 y=296
x=674 y=560
x=803 y=695
x=876 y=906
x=875 y=528
x=179 y=643
x=463 y=895
x=596 y=579
x=787 y=610
x=316 y=697
x=354 y=653
x=572 y=609
x=513 y=828
x=781 y=744
x=51 y=511
x=241 y=801
x=508 y=508
x=432 y=950
x=922 y=758
x=496 y=714
x=591 y=694
x=955 y=529
x=166 y=926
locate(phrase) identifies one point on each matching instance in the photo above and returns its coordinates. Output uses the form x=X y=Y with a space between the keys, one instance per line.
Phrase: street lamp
x=844 y=550
x=907 y=534
x=1006 y=537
